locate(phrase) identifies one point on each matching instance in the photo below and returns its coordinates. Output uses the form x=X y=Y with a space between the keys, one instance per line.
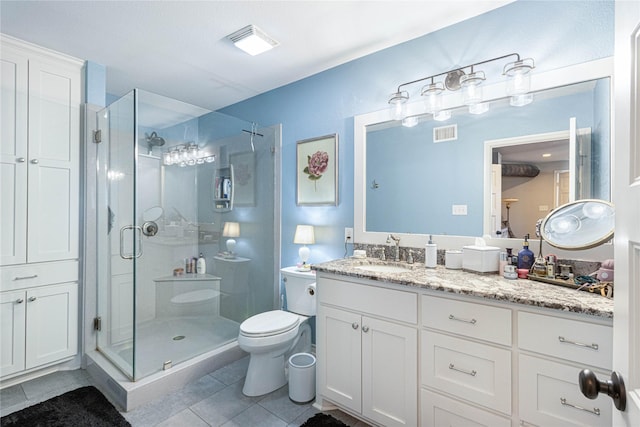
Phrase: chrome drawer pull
x=595 y=411
x=452 y=367
x=579 y=344
x=472 y=321
x=25 y=277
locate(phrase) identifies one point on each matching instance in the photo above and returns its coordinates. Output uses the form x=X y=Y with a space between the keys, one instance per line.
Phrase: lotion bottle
x=430 y=254
x=201 y=265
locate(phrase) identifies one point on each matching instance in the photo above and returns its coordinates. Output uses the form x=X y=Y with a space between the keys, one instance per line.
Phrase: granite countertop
x=490 y=286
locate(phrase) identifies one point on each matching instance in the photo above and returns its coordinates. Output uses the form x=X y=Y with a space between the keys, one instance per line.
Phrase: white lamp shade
x=304 y=235
x=231 y=229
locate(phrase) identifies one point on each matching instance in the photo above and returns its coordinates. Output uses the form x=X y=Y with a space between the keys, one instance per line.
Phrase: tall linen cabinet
x=39 y=207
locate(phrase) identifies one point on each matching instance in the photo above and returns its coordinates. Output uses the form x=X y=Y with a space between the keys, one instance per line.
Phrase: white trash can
x=302 y=377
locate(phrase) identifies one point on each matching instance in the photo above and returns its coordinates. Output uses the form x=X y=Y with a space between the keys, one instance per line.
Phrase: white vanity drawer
x=469 y=319
x=438 y=410
x=476 y=372
x=37 y=274
x=381 y=302
x=577 y=341
x=550 y=396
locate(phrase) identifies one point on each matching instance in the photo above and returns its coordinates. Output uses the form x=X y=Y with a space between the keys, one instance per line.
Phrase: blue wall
x=554 y=33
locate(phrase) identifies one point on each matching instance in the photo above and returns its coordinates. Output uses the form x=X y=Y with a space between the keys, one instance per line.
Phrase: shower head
x=154 y=140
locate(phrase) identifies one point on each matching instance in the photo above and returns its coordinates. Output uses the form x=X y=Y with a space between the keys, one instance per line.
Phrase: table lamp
x=304 y=236
x=231 y=229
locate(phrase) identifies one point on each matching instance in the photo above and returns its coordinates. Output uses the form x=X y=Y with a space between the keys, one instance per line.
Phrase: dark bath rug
x=323 y=420
x=83 y=407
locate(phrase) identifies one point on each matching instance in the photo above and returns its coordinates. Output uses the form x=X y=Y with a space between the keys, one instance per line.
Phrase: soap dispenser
x=525 y=256
x=430 y=254
x=201 y=265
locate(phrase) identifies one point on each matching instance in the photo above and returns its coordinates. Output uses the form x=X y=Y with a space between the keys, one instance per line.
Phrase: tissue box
x=481 y=259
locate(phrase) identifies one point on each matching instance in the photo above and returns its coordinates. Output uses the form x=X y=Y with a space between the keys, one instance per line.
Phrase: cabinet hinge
x=97 y=323
x=97 y=136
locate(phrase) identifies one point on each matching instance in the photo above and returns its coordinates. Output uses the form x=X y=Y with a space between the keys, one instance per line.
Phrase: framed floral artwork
x=317 y=171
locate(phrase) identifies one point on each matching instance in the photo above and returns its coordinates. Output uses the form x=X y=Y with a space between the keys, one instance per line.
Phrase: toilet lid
x=269 y=323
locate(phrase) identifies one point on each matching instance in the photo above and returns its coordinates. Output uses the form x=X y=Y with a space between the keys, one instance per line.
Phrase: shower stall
x=173 y=182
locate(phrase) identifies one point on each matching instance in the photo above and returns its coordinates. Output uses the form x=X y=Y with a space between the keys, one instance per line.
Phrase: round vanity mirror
x=582 y=224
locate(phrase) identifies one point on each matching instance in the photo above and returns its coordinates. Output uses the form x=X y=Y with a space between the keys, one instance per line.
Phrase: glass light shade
x=410 y=122
x=397 y=104
x=471 y=85
x=433 y=97
x=480 y=108
x=519 y=76
x=521 y=100
x=441 y=116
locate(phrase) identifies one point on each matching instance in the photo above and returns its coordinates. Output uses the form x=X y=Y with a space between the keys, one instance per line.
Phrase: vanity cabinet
x=39 y=327
x=465 y=353
x=425 y=357
x=39 y=210
x=553 y=352
x=367 y=348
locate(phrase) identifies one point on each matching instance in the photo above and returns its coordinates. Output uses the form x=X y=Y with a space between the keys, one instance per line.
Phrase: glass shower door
x=117 y=238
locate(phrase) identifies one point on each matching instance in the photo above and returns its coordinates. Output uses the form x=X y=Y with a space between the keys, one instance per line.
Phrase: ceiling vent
x=445 y=133
x=252 y=40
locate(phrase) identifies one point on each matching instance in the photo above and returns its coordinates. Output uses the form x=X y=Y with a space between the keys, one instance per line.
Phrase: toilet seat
x=270 y=323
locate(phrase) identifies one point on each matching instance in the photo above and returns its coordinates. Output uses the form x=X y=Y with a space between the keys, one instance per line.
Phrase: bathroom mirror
x=409 y=184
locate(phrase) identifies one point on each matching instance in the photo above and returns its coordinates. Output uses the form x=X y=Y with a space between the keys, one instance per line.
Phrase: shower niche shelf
x=223 y=189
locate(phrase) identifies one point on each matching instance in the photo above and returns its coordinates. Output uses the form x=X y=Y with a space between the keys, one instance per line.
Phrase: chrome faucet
x=383 y=257
x=396 y=240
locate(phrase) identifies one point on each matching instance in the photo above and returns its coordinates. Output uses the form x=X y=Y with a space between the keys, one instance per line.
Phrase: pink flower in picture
x=317 y=165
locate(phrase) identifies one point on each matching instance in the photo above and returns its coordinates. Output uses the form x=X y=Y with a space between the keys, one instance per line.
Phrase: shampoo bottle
x=430 y=254
x=201 y=265
x=525 y=256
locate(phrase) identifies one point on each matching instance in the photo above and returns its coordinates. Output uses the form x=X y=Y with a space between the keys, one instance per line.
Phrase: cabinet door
x=13 y=155
x=389 y=373
x=52 y=324
x=12 y=310
x=54 y=133
x=339 y=356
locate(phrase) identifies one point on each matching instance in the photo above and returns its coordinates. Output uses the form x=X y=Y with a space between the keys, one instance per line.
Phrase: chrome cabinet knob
x=35 y=161
x=354 y=325
x=21 y=160
x=19 y=301
x=31 y=299
x=365 y=329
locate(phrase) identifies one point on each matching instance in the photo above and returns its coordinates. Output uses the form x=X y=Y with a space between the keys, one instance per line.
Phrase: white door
x=496 y=199
x=626 y=322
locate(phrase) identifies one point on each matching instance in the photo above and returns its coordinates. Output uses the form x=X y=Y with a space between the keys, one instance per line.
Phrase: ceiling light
x=252 y=40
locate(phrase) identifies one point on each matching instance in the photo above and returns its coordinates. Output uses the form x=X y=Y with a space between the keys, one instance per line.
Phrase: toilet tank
x=300 y=287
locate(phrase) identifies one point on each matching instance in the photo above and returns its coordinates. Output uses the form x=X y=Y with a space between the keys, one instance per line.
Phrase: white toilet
x=269 y=337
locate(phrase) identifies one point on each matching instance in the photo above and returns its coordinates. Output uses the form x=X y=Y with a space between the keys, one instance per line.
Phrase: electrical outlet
x=459 y=209
x=348 y=234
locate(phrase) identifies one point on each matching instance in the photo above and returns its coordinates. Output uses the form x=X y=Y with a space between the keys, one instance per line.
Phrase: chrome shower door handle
x=138 y=251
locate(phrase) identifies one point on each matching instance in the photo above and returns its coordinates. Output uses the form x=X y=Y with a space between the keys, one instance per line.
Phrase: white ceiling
x=179 y=48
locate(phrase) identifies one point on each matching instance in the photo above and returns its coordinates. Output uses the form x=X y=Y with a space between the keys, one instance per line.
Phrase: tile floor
x=215 y=399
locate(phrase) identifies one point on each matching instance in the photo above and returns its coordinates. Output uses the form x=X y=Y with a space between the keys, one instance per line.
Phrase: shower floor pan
x=162 y=340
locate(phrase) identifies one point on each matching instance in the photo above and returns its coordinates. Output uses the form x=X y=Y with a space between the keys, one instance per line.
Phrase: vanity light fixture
x=442 y=116
x=410 y=121
x=252 y=40
x=188 y=154
x=518 y=73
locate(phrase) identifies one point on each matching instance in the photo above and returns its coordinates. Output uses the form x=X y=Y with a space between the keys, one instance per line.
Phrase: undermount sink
x=383 y=268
